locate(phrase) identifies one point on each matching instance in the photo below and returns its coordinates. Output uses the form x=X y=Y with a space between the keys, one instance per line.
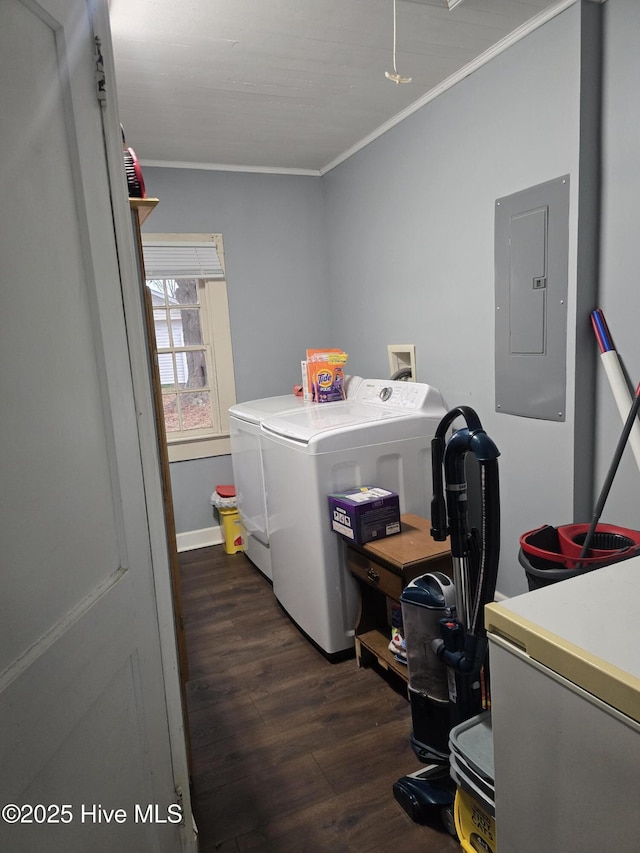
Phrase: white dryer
x=381 y=437
x=248 y=476
x=248 y=472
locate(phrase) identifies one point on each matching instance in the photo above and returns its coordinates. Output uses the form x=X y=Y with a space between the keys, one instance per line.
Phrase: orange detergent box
x=325 y=375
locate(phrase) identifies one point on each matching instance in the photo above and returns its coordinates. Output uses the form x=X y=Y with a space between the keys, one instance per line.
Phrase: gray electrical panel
x=531 y=268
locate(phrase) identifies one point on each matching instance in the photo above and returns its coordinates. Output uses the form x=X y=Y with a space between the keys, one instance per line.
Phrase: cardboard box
x=365 y=513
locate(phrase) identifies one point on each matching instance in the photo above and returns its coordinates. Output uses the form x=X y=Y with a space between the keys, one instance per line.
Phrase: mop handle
x=631 y=418
x=615 y=375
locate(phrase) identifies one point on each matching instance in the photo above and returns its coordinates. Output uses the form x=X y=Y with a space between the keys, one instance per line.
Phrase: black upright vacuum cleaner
x=443 y=622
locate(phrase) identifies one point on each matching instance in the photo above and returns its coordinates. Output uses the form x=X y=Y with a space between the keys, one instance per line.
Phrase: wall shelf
x=144 y=206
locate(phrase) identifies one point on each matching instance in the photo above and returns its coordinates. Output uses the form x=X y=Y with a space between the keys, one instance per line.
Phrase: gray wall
x=275 y=251
x=620 y=244
x=407 y=228
x=192 y=484
x=411 y=230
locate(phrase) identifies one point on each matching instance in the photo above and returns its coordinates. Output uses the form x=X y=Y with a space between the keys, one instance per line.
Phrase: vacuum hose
x=490 y=536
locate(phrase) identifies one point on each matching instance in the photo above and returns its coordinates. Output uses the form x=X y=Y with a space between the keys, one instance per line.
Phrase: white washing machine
x=248 y=473
x=382 y=437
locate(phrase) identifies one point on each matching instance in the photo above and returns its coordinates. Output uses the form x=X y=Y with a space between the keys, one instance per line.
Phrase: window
x=186 y=278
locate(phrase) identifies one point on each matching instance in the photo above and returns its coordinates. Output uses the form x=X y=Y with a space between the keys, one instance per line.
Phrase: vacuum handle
x=439 y=528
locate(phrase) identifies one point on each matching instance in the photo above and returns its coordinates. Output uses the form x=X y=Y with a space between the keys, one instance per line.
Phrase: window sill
x=200 y=447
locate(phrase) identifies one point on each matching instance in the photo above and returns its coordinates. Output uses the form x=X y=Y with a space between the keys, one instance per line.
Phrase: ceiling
x=292 y=85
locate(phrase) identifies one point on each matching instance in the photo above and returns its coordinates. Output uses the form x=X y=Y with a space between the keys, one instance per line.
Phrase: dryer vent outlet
x=402 y=360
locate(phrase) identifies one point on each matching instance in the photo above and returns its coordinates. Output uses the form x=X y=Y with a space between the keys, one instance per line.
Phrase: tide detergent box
x=365 y=513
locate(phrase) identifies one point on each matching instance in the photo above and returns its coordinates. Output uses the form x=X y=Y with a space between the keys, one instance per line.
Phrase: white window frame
x=216 y=330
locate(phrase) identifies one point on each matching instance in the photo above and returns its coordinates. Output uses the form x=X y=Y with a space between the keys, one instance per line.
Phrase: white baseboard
x=192 y=539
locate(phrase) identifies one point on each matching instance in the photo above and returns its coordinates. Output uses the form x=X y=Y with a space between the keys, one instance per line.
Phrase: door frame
x=151 y=469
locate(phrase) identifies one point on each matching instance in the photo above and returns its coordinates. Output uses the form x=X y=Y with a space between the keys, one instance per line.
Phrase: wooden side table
x=383 y=569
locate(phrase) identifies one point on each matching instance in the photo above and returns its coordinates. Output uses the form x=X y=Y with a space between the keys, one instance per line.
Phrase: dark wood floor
x=289 y=752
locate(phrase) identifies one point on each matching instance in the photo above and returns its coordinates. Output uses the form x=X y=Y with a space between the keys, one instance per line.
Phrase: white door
x=88 y=753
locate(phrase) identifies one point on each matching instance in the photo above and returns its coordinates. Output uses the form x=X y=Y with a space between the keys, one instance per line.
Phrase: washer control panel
x=409 y=396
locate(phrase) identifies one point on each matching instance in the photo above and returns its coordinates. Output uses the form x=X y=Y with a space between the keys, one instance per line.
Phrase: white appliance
x=248 y=474
x=381 y=437
x=248 y=470
x=565 y=706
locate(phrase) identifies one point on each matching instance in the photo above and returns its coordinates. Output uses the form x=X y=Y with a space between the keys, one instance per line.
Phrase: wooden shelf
x=377 y=644
x=144 y=206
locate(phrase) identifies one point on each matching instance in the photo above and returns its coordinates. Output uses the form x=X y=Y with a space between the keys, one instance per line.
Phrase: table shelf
x=383 y=569
x=376 y=643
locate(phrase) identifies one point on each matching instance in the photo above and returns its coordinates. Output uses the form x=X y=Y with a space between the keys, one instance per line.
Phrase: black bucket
x=540 y=575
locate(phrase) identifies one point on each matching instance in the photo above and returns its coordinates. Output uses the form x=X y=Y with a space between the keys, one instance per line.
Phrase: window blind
x=182 y=261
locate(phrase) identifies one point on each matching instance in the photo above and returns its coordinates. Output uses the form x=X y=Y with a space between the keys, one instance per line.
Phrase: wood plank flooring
x=290 y=753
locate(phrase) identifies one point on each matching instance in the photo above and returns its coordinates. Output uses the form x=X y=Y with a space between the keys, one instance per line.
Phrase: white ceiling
x=292 y=85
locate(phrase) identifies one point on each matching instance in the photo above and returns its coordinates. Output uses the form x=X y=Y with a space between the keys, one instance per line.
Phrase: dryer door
x=248 y=474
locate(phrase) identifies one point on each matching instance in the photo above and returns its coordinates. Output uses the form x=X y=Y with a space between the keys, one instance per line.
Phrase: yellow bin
x=476 y=828
x=232 y=529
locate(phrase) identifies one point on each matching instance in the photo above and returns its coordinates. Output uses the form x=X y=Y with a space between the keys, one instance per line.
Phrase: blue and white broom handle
x=616 y=377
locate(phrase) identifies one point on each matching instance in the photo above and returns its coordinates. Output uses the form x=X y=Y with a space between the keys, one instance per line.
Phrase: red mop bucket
x=551 y=554
x=608 y=540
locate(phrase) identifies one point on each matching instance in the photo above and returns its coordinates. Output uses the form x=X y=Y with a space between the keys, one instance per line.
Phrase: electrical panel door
x=531 y=266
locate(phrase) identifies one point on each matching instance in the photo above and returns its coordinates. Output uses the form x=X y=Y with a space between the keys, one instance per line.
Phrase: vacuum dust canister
x=424 y=603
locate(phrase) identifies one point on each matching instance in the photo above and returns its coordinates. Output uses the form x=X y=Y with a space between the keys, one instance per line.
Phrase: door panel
x=83 y=709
